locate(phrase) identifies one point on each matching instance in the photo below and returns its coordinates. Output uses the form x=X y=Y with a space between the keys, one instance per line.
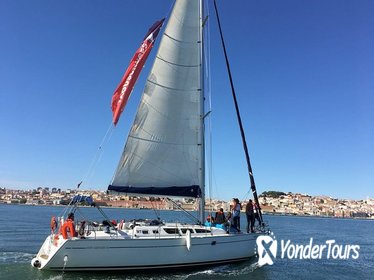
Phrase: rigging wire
x=81 y=213
x=170 y=10
x=94 y=162
x=249 y=167
x=98 y=155
x=185 y=211
x=246 y=195
x=157 y=213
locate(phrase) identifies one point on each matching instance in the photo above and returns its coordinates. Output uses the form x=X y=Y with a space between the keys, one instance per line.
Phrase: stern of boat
x=49 y=248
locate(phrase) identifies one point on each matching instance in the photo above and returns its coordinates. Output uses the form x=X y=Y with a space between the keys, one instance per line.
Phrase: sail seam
x=179 y=41
x=176 y=64
x=156 y=166
x=158 y=142
x=179 y=89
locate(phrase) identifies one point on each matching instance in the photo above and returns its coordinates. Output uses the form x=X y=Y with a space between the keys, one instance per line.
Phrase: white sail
x=163 y=155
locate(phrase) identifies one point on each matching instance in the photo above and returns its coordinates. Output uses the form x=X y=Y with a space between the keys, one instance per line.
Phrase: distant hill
x=274 y=194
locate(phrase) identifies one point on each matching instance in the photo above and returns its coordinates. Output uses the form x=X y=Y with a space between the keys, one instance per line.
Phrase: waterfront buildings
x=274 y=203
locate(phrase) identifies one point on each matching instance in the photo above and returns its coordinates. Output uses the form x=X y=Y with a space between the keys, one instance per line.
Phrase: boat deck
x=144 y=230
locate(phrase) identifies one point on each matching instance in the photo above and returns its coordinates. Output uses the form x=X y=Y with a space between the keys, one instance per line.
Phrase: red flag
x=124 y=89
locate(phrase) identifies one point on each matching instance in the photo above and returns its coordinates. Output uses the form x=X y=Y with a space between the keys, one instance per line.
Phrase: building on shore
x=271 y=202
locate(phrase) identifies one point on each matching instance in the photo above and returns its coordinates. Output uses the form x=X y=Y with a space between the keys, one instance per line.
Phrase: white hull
x=135 y=253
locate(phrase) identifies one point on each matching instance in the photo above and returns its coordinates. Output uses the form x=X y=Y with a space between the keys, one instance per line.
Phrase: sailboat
x=164 y=156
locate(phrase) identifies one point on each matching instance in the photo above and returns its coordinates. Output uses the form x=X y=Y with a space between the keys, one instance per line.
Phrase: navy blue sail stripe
x=186 y=191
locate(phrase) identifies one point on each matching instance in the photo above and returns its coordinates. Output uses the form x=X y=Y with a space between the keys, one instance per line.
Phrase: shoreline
x=264 y=213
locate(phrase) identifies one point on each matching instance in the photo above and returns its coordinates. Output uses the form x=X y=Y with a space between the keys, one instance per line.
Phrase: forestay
x=163 y=155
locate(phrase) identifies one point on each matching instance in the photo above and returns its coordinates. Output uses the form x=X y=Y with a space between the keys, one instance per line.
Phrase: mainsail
x=163 y=154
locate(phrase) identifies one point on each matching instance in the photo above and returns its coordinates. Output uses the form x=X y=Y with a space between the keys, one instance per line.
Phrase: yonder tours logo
x=267 y=247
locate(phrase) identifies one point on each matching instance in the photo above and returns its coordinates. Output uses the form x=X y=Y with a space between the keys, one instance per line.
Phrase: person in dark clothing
x=220 y=217
x=250 y=216
x=228 y=222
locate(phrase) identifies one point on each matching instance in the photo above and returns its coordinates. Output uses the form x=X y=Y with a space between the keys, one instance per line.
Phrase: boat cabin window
x=200 y=230
x=171 y=230
x=184 y=230
x=145 y=231
x=155 y=231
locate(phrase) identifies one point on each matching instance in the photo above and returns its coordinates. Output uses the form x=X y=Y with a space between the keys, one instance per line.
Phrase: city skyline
x=302 y=73
x=272 y=202
x=246 y=197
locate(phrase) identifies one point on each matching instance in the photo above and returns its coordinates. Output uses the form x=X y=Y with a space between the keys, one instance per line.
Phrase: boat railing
x=50 y=243
x=177 y=229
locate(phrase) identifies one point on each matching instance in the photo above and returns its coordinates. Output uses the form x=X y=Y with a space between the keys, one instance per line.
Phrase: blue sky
x=303 y=72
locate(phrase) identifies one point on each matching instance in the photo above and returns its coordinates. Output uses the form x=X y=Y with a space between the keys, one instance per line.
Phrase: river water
x=24 y=228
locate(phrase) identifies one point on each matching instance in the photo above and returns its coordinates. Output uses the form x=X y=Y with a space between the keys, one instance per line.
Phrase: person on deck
x=239 y=208
x=250 y=216
x=228 y=222
x=220 y=217
x=236 y=214
x=209 y=221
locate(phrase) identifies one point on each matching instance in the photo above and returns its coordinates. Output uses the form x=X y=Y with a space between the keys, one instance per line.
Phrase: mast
x=202 y=114
x=252 y=180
